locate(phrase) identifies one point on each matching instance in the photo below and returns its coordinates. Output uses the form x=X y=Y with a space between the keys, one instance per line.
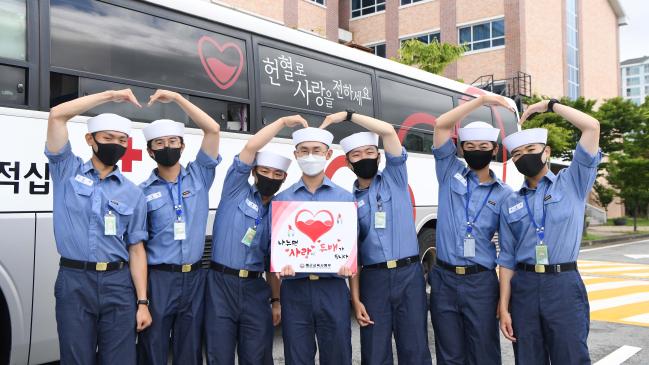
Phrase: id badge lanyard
x=541 y=248
x=469 y=240
x=179 y=223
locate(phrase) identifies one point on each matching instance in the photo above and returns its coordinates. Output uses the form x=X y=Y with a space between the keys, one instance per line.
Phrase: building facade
x=635 y=79
x=515 y=47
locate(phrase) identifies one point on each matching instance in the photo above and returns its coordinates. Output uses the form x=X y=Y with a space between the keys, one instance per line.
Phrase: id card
x=542 y=255
x=469 y=247
x=110 y=224
x=249 y=236
x=179 y=230
x=379 y=219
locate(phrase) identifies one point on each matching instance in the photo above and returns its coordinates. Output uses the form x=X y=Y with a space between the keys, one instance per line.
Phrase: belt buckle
x=186 y=268
x=540 y=269
x=243 y=273
x=314 y=277
x=460 y=270
x=392 y=264
x=101 y=266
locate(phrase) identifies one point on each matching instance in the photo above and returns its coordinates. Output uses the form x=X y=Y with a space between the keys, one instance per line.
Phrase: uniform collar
x=88 y=167
x=356 y=189
x=155 y=177
x=300 y=184
x=468 y=173
x=549 y=178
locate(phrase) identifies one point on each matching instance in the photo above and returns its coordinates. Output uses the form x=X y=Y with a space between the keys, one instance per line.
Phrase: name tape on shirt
x=460 y=178
x=252 y=205
x=516 y=208
x=84 y=180
x=360 y=203
x=153 y=196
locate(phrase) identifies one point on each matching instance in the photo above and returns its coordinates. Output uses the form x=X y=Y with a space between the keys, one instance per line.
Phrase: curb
x=616 y=239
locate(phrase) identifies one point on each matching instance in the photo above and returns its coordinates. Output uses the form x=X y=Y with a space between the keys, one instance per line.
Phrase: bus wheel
x=427 y=251
x=5 y=331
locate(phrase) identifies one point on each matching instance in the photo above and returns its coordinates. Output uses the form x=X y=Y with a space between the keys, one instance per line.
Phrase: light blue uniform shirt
x=240 y=208
x=564 y=202
x=327 y=192
x=195 y=183
x=389 y=190
x=453 y=177
x=81 y=200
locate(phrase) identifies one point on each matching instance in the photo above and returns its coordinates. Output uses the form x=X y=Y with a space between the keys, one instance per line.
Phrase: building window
x=646 y=69
x=633 y=91
x=633 y=71
x=572 y=47
x=365 y=7
x=13 y=29
x=636 y=101
x=408 y=2
x=321 y=2
x=646 y=90
x=631 y=81
x=484 y=35
x=646 y=79
x=424 y=38
x=378 y=49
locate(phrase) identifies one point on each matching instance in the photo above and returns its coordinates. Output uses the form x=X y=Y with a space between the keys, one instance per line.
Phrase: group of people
x=134 y=252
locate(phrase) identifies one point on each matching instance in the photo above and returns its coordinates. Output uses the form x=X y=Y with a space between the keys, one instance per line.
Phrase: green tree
x=604 y=195
x=432 y=57
x=630 y=175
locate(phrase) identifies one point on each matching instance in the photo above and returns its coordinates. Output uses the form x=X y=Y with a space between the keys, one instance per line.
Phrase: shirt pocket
x=247 y=219
x=123 y=213
x=517 y=216
x=160 y=214
x=556 y=212
x=79 y=202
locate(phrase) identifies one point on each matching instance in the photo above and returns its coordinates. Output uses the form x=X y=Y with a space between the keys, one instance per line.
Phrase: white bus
x=242 y=70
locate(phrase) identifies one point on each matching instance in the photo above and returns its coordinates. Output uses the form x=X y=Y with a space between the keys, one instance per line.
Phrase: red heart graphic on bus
x=221 y=73
x=314 y=225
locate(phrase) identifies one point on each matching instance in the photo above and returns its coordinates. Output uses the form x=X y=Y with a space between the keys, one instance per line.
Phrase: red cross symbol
x=130 y=156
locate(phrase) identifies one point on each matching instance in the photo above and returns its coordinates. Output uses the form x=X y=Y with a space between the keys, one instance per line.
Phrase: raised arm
x=210 y=127
x=385 y=130
x=57 y=132
x=445 y=123
x=588 y=125
x=261 y=138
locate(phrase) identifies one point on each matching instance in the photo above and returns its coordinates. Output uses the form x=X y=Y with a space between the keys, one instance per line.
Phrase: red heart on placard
x=222 y=74
x=314 y=225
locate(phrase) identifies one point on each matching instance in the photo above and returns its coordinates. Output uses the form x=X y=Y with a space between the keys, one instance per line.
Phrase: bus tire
x=5 y=331
x=427 y=251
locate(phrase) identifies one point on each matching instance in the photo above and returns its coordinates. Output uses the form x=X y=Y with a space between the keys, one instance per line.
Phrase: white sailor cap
x=271 y=159
x=109 y=122
x=163 y=128
x=479 y=131
x=526 y=136
x=311 y=134
x=359 y=139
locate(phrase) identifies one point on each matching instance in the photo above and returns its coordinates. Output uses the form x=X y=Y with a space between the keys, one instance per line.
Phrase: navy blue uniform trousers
x=95 y=316
x=176 y=307
x=463 y=313
x=238 y=317
x=551 y=318
x=316 y=309
x=395 y=300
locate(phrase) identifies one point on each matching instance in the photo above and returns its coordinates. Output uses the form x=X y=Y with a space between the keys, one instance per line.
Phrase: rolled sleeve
x=137 y=230
x=396 y=168
x=583 y=170
x=507 y=256
x=446 y=163
x=62 y=163
x=236 y=179
x=205 y=166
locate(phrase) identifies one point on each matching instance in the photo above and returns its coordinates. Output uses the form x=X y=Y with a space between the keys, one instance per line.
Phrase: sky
x=634 y=37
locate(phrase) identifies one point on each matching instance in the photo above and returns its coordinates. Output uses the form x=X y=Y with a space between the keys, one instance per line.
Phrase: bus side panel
x=45 y=342
x=16 y=278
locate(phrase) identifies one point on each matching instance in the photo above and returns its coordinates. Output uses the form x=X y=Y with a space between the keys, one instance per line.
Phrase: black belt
x=547 y=269
x=93 y=266
x=176 y=268
x=393 y=264
x=244 y=274
x=462 y=270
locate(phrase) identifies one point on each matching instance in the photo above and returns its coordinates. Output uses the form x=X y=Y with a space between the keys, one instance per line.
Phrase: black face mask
x=267 y=186
x=167 y=156
x=477 y=160
x=366 y=168
x=109 y=153
x=530 y=164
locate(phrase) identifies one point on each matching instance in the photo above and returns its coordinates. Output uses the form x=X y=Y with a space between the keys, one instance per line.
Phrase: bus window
x=100 y=38
x=13 y=30
x=339 y=130
x=482 y=114
x=413 y=110
x=12 y=85
x=505 y=120
x=231 y=116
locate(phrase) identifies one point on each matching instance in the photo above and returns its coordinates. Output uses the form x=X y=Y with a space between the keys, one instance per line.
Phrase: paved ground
x=617 y=280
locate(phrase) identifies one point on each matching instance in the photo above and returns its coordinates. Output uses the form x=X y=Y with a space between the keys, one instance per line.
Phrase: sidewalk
x=610 y=231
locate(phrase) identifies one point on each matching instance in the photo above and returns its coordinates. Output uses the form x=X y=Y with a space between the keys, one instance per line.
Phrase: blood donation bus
x=242 y=70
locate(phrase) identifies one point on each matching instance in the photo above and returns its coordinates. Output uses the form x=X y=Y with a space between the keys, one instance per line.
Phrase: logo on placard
x=314 y=225
x=213 y=56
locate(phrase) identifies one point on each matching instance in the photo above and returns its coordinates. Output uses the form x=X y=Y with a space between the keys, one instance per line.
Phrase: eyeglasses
x=305 y=152
x=173 y=142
